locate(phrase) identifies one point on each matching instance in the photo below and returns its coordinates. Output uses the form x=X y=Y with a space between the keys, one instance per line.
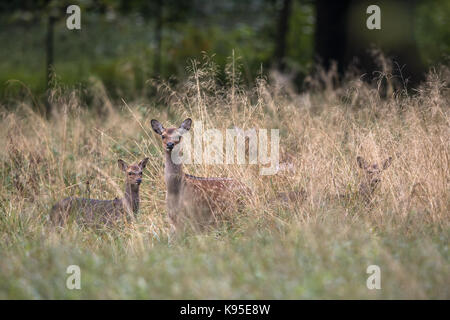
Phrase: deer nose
x=138 y=181
x=170 y=145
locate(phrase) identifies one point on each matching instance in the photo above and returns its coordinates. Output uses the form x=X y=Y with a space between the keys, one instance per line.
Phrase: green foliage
x=433 y=30
x=275 y=265
x=300 y=38
x=118 y=41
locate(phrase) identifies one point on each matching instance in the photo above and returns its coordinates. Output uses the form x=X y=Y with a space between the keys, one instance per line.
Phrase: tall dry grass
x=316 y=248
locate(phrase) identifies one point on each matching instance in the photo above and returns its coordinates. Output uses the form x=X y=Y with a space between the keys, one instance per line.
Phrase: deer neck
x=173 y=174
x=366 y=190
x=132 y=197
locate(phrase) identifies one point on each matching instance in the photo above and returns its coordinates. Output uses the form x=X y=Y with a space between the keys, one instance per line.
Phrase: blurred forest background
x=123 y=44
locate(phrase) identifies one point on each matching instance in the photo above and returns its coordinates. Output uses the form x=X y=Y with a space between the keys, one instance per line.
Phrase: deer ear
x=122 y=165
x=157 y=127
x=185 y=126
x=387 y=163
x=143 y=163
x=361 y=162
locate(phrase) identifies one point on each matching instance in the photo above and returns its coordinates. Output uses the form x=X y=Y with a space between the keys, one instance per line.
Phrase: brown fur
x=194 y=201
x=371 y=176
x=92 y=211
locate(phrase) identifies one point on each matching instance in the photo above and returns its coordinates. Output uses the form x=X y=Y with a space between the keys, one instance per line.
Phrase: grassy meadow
x=311 y=249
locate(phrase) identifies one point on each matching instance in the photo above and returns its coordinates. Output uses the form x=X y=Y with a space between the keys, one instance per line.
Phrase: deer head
x=372 y=174
x=133 y=172
x=171 y=136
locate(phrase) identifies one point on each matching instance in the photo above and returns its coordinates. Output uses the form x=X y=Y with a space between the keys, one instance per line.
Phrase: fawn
x=372 y=176
x=104 y=211
x=194 y=201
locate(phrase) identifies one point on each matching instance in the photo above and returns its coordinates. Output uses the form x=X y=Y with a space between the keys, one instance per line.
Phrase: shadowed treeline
x=124 y=44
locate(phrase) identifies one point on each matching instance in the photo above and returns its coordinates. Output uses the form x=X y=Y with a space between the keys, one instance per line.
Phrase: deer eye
x=163 y=136
x=130 y=173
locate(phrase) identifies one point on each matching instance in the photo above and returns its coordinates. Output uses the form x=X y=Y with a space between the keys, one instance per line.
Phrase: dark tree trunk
x=330 y=35
x=158 y=36
x=283 y=29
x=395 y=39
x=342 y=36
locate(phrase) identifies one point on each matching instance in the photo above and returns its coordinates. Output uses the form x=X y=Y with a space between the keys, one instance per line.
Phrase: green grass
x=317 y=260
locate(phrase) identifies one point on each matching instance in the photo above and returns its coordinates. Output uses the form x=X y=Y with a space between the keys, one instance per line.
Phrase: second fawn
x=194 y=201
x=372 y=176
x=103 y=211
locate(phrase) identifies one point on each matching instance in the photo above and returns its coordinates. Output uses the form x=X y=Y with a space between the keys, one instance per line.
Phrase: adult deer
x=103 y=211
x=191 y=201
